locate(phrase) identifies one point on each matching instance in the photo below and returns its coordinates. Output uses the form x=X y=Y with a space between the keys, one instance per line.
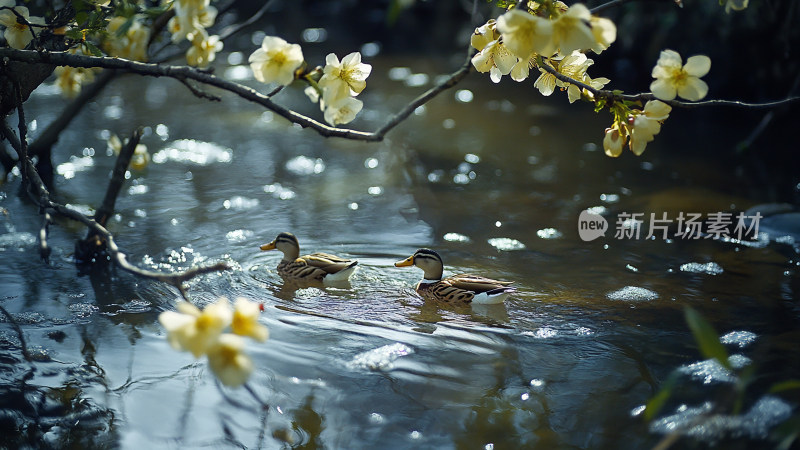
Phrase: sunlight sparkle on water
x=75 y=165
x=711 y=371
x=238 y=203
x=399 y=73
x=195 y=152
x=464 y=95
x=632 y=293
x=238 y=235
x=138 y=189
x=549 y=233
x=370 y=49
x=767 y=412
x=455 y=237
x=238 y=73
x=279 y=191
x=710 y=268
x=506 y=244
x=739 y=338
x=381 y=358
x=315 y=34
x=303 y=165
x=371 y=163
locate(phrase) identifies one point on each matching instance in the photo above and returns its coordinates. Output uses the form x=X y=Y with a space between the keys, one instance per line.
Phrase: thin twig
x=451 y=81
x=612 y=96
x=15 y=325
x=614 y=3
x=199 y=93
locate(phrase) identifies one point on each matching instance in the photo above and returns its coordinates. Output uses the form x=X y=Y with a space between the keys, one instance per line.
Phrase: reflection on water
x=493 y=183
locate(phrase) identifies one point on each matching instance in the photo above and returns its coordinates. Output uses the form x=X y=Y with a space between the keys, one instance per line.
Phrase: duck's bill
x=270 y=246
x=405 y=263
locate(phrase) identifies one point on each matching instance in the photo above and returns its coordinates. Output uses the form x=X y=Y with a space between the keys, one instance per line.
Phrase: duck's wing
x=329 y=263
x=299 y=269
x=476 y=283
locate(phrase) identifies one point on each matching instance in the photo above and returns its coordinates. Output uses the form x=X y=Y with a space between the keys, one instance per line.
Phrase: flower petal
x=669 y=58
x=698 y=65
x=693 y=90
x=663 y=89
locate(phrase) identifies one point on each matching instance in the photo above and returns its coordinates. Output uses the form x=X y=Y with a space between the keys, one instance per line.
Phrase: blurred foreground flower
x=203 y=50
x=245 y=320
x=193 y=330
x=228 y=362
x=672 y=77
x=201 y=333
x=736 y=5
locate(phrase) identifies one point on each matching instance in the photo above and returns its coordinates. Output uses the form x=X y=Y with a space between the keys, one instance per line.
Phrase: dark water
x=495 y=184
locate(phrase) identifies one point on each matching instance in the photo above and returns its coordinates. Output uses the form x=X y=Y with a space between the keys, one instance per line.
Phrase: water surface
x=495 y=184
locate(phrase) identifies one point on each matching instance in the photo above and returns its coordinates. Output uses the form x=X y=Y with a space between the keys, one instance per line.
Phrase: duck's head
x=428 y=260
x=286 y=243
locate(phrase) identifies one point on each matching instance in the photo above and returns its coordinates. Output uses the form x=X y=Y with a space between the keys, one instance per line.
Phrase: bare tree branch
x=189 y=73
x=39 y=193
x=117 y=178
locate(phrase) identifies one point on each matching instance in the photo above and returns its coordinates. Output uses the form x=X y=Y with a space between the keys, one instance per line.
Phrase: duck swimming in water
x=316 y=267
x=457 y=289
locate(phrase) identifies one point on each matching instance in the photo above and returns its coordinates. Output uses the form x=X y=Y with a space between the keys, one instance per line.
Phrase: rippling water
x=494 y=183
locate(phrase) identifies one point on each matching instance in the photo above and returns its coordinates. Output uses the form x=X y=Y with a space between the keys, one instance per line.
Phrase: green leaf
x=707 y=338
x=81 y=17
x=785 y=386
x=93 y=49
x=657 y=402
x=74 y=34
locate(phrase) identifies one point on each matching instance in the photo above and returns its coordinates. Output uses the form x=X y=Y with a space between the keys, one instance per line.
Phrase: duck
x=456 y=289
x=316 y=267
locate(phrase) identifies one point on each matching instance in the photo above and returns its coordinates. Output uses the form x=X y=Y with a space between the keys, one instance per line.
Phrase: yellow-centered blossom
x=672 y=77
x=525 y=34
x=276 y=60
x=496 y=59
x=18 y=33
x=343 y=79
x=342 y=110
